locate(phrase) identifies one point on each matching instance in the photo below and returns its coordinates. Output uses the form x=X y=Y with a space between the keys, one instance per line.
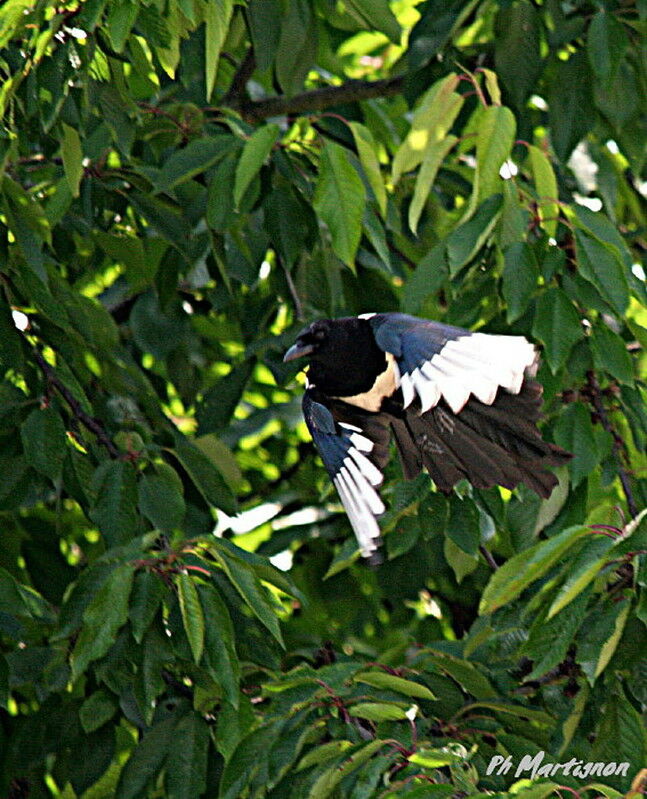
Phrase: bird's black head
x=311 y=341
x=343 y=355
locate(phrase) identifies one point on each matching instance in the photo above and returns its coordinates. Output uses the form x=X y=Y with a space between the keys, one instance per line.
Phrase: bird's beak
x=298 y=351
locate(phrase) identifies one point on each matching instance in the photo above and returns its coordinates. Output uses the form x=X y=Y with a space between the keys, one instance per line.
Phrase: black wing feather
x=354 y=447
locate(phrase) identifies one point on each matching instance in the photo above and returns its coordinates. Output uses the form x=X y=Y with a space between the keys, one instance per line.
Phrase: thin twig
x=298 y=306
x=235 y=96
x=320 y=99
x=488 y=557
x=618 y=443
x=92 y=424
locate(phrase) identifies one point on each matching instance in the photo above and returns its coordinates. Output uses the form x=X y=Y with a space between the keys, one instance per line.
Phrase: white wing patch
x=477 y=364
x=355 y=482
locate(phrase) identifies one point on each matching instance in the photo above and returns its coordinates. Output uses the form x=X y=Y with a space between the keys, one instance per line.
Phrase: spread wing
x=436 y=360
x=354 y=449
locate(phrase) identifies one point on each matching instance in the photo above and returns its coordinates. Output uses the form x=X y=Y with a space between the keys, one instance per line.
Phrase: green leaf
x=256 y=149
x=467 y=239
x=287 y=223
x=528 y=714
x=466 y=674
x=297 y=50
x=601 y=265
x=381 y=679
x=72 y=154
x=463 y=524
x=27 y=209
x=378 y=711
x=367 y=152
x=264 y=20
x=434 y=116
x=496 y=133
x=146 y=596
x=11 y=356
x=161 y=501
x=574 y=432
x=339 y=201
x=435 y=758
x=4 y=682
x=620 y=738
x=115 y=508
x=581 y=571
x=79 y=596
x=119 y=23
x=549 y=639
x=330 y=779
x=147 y=760
x=192 y=160
x=221 y=210
x=249 y=587
x=104 y=616
x=492 y=85
x=375 y=15
x=607 y=43
x=600 y=227
x=206 y=477
x=44 y=441
x=163 y=216
x=192 y=616
x=547 y=192
x=557 y=325
x=97 y=709
x=11 y=601
x=186 y=764
x=217 y=407
x=322 y=753
x=130 y=251
x=246 y=760
x=344 y=557
x=434 y=156
x=610 y=354
x=517 y=50
x=217 y=18
x=600 y=635
x=220 y=652
x=460 y=561
x=157 y=654
x=526 y=567
x=571 y=110
x=520 y=278
x=429 y=275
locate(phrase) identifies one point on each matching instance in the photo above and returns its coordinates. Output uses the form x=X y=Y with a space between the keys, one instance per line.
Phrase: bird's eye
x=320 y=335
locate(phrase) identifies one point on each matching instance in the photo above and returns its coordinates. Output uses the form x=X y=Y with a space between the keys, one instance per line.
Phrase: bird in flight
x=459 y=404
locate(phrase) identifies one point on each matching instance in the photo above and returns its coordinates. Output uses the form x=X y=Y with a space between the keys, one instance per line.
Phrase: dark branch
x=618 y=443
x=298 y=305
x=488 y=557
x=235 y=96
x=319 y=99
x=92 y=424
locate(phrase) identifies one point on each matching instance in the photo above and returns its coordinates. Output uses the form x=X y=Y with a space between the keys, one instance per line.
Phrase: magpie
x=458 y=404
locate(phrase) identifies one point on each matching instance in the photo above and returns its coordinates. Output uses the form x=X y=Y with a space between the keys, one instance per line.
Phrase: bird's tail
x=496 y=444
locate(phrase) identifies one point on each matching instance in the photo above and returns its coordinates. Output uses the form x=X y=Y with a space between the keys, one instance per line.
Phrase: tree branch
x=618 y=444
x=488 y=557
x=235 y=96
x=319 y=99
x=92 y=424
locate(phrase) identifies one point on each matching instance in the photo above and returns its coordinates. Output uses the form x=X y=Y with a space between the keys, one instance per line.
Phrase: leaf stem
x=618 y=443
x=92 y=424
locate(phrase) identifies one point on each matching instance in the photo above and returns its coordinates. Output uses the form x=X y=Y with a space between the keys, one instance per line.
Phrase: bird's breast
x=385 y=385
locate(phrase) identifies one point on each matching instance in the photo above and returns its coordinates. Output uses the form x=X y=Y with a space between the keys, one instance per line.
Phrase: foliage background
x=184 y=184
